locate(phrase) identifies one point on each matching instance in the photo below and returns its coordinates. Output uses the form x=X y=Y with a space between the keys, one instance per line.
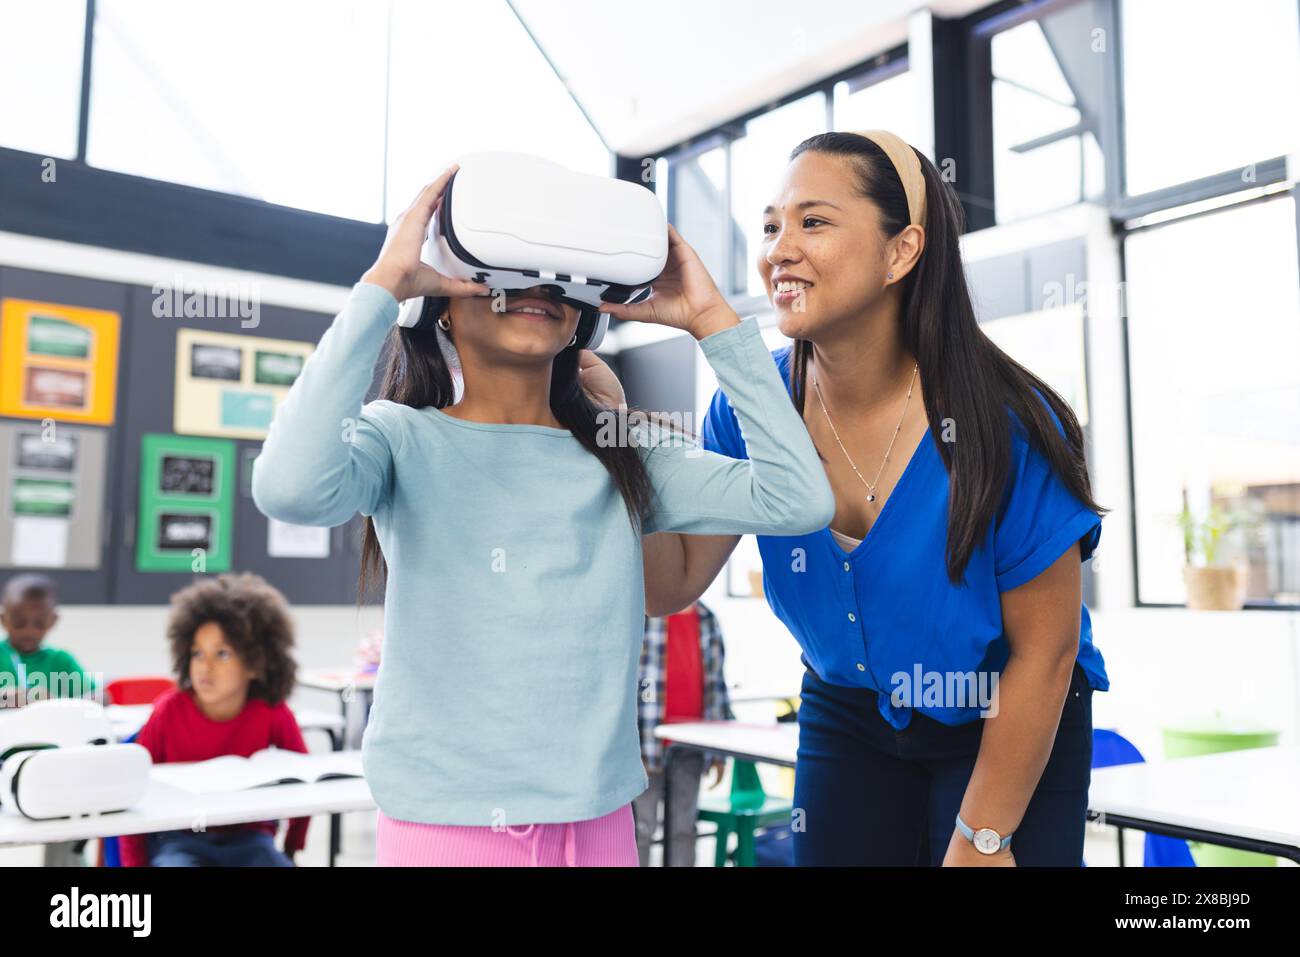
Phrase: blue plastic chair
x=1110 y=748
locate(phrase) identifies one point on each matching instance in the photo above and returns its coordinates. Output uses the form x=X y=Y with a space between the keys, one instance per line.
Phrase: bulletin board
x=307 y=569
x=103 y=491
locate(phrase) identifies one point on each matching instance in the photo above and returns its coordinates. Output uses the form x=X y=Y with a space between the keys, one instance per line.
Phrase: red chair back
x=138 y=690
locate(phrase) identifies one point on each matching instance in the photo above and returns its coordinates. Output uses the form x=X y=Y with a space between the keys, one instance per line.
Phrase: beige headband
x=908 y=167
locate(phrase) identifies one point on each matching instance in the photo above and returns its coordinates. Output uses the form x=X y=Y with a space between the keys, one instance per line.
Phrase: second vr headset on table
x=514 y=221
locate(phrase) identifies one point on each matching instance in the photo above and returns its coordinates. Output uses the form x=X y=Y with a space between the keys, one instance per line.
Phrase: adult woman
x=953 y=562
x=509 y=531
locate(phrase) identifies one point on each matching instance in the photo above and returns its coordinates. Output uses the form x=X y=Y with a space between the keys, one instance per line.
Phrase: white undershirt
x=846 y=542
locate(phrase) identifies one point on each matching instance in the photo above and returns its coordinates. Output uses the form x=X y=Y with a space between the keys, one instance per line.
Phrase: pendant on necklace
x=871 y=498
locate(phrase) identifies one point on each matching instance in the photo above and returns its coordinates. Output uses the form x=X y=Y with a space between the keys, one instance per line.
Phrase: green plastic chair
x=746 y=809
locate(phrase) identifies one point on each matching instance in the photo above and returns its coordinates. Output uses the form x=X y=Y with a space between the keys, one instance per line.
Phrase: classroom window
x=208 y=94
x=1208 y=87
x=758 y=160
x=879 y=100
x=697 y=204
x=1213 y=333
x=1045 y=153
x=492 y=90
x=41 y=48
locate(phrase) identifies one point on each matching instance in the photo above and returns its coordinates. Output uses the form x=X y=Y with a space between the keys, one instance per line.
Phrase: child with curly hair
x=231 y=639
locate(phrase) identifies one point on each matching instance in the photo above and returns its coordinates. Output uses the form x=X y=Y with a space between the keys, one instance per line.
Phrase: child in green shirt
x=29 y=671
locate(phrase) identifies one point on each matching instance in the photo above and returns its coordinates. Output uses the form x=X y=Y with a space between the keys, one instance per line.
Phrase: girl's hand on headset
x=599 y=382
x=684 y=296
x=399 y=268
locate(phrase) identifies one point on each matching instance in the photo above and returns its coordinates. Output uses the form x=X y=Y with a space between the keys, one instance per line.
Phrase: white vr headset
x=514 y=221
x=57 y=760
x=48 y=783
x=53 y=723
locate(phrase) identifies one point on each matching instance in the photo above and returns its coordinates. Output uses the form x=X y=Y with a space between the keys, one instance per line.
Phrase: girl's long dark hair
x=965 y=378
x=416 y=374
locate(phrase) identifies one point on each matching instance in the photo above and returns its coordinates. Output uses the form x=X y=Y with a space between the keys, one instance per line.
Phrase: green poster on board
x=42 y=496
x=187 y=497
x=51 y=336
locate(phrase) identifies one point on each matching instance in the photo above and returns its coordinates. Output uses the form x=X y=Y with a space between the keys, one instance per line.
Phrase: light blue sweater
x=514 y=607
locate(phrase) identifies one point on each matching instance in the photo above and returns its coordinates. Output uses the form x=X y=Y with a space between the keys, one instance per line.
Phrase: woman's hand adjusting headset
x=399 y=268
x=599 y=382
x=684 y=296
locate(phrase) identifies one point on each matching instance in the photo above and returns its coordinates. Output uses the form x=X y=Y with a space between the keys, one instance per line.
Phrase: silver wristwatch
x=986 y=840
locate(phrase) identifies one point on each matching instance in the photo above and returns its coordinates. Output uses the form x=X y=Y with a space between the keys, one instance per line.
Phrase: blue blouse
x=886 y=616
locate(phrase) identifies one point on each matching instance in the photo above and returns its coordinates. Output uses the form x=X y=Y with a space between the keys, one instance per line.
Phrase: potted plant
x=1212 y=584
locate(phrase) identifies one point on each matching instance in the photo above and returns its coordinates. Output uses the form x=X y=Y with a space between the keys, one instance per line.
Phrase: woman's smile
x=788 y=289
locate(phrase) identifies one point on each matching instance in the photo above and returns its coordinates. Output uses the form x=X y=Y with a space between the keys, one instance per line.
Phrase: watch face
x=987 y=841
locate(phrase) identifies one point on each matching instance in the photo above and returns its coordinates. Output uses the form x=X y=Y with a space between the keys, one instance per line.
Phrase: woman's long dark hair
x=965 y=378
x=416 y=374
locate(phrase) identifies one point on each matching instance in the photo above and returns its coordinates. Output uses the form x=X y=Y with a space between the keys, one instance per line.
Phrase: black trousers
x=867 y=794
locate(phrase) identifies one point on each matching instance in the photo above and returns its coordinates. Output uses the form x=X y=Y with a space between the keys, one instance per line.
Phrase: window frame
x=1133 y=227
x=1178 y=202
x=875 y=69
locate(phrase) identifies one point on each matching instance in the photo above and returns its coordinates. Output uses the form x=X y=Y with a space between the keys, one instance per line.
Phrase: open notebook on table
x=268 y=766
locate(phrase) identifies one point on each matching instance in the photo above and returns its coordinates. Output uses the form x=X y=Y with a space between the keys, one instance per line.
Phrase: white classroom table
x=1248 y=800
x=340 y=681
x=127 y=719
x=760 y=743
x=345 y=683
x=763 y=743
x=168 y=808
x=748 y=694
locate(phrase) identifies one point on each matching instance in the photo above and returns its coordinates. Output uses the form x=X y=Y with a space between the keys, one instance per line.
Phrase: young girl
x=230 y=641
x=504 y=725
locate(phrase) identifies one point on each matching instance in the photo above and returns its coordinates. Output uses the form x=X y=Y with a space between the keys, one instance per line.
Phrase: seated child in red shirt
x=231 y=638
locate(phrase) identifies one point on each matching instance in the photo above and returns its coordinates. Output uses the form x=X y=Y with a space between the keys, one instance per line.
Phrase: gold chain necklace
x=871 y=486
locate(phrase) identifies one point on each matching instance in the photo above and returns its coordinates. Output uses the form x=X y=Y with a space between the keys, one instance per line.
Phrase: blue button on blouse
x=892 y=620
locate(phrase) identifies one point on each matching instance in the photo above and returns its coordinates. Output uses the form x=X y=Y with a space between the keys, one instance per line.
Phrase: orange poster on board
x=58 y=361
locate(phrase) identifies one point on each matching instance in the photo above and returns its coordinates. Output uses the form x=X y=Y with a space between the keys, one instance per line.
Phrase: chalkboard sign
x=216 y=362
x=276 y=368
x=35 y=452
x=184 y=531
x=187 y=475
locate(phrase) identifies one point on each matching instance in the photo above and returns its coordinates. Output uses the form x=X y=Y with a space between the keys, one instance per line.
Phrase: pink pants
x=608 y=841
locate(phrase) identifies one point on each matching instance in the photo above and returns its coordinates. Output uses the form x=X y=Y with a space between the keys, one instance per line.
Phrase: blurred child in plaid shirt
x=681 y=680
